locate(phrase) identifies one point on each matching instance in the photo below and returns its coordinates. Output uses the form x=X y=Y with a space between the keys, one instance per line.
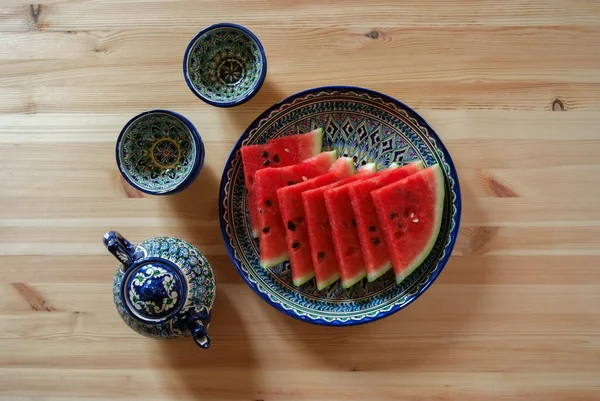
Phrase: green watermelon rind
x=268 y=263
x=350 y=282
x=324 y=284
x=439 y=210
x=318 y=141
x=379 y=272
x=298 y=281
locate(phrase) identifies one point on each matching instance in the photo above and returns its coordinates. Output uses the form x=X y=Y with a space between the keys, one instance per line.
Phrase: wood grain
x=513 y=89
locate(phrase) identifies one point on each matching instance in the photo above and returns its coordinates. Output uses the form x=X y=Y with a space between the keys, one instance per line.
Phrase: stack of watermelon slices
x=279 y=152
x=332 y=222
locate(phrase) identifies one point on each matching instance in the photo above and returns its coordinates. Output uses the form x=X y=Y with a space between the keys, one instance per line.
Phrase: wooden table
x=513 y=89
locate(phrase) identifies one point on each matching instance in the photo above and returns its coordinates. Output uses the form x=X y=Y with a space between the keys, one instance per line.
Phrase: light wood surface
x=513 y=89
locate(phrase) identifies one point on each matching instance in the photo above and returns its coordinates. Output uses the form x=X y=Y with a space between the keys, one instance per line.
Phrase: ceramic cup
x=225 y=65
x=159 y=152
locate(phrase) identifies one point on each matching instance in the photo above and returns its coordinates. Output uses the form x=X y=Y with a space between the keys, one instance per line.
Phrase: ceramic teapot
x=163 y=288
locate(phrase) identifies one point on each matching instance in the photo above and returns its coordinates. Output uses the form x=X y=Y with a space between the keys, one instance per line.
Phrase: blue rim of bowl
x=159 y=261
x=453 y=234
x=241 y=100
x=198 y=162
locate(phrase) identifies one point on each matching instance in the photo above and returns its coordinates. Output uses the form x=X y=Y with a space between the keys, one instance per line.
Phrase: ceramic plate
x=369 y=127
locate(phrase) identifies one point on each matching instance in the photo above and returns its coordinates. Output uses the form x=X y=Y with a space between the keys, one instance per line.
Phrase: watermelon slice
x=280 y=152
x=292 y=212
x=273 y=246
x=372 y=242
x=319 y=229
x=410 y=214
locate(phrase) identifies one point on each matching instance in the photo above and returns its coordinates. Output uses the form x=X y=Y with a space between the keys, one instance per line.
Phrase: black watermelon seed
x=363 y=162
x=375 y=240
x=265 y=154
x=295 y=244
x=291 y=182
x=321 y=256
x=266 y=162
x=291 y=226
x=276 y=158
x=354 y=222
x=260 y=210
x=372 y=228
x=355 y=158
x=268 y=202
x=345 y=154
x=393 y=215
x=266 y=229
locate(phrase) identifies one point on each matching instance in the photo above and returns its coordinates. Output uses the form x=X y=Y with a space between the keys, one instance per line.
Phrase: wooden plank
x=473 y=54
x=213 y=384
x=146 y=14
x=221 y=128
x=472 y=269
x=107 y=97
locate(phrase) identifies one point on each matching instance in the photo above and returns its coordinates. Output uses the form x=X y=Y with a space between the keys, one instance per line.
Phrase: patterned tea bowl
x=159 y=152
x=225 y=65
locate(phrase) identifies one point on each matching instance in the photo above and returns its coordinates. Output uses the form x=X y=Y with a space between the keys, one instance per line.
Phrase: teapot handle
x=198 y=323
x=121 y=249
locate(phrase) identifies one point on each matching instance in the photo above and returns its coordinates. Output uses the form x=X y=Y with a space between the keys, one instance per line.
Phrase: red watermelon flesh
x=372 y=242
x=344 y=235
x=410 y=215
x=273 y=246
x=279 y=152
x=319 y=229
x=294 y=218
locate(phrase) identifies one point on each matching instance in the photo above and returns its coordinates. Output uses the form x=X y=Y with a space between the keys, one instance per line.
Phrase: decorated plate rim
x=455 y=217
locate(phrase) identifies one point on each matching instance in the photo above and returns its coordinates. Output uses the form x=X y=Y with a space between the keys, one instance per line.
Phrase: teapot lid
x=154 y=290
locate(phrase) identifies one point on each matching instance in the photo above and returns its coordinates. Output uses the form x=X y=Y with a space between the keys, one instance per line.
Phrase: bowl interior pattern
x=225 y=64
x=370 y=128
x=157 y=152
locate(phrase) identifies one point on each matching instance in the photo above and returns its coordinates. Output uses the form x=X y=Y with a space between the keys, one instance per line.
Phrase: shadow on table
x=198 y=206
x=224 y=371
x=426 y=333
x=241 y=116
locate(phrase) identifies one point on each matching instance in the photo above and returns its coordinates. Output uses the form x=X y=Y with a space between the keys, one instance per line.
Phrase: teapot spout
x=198 y=325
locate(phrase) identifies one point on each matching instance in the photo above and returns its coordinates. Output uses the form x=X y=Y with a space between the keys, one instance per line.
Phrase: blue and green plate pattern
x=370 y=127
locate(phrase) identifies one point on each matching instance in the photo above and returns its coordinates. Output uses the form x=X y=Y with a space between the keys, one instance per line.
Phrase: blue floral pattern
x=370 y=128
x=157 y=152
x=225 y=64
x=153 y=291
x=199 y=279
